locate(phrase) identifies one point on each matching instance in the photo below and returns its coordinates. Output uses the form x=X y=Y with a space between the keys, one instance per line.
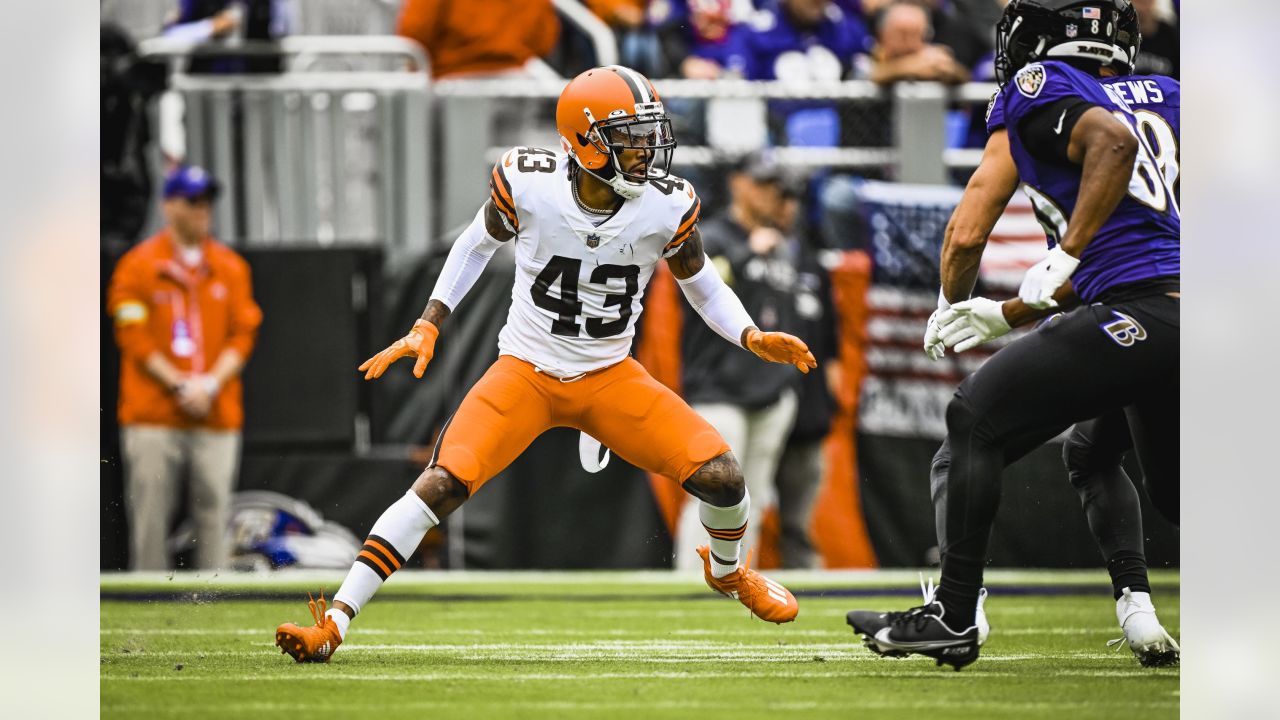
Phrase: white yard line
x=1087 y=579
x=765 y=632
x=495 y=677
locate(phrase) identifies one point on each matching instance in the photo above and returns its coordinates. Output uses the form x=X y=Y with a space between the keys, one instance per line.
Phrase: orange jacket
x=466 y=36
x=189 y=314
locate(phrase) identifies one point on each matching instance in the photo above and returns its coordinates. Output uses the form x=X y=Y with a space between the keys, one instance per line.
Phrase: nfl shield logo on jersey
x=1030 y=79
x=593 y=241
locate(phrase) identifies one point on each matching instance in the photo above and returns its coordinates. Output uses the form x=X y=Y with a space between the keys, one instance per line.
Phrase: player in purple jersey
x=1114 y=228
x=1095 y=449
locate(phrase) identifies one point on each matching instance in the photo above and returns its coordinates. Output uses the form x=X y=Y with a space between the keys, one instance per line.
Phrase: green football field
x=612 y=644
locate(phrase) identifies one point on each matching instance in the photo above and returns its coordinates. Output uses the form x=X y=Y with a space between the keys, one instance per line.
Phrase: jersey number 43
x=568 y=307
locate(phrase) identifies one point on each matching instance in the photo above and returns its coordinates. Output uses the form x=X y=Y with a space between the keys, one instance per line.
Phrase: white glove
x=970 y=323
x=932 y=344
x=1045 y=277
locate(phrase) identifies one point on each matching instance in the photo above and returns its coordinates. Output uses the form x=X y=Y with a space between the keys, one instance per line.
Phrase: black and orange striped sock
x=380 y=556
x=393 y=538
x=726 y=526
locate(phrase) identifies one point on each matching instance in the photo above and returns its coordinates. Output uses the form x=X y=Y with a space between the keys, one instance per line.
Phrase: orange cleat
x=310 y=644
x=765 y=598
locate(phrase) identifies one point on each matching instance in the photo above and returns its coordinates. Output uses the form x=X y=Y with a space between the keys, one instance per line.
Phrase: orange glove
x=420 y=341
x=781 y=348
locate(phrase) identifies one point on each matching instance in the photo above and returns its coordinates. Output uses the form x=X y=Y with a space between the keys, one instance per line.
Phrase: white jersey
x=578 y=287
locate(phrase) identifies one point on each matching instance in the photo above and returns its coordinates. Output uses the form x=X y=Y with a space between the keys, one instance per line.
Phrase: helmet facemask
x=648 y=133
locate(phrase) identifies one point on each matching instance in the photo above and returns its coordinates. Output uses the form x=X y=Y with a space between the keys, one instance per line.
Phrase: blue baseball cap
x=190 y=182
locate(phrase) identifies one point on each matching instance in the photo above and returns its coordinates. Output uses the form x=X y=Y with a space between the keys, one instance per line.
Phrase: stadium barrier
x=312 y=156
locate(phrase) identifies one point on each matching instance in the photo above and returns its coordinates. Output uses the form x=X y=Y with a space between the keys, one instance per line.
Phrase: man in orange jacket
x=483 y=39
x=185 y=321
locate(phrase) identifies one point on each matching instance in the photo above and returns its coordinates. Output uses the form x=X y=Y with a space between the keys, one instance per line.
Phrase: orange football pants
x=638 y=418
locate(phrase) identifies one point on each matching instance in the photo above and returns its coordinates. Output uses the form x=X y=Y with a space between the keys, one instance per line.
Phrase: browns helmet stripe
x=635 y=83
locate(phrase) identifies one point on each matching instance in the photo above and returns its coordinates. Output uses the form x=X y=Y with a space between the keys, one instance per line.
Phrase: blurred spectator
x=696 y=38
x=127 y=86
x=200 y=21
x=803 y=463
x=185 y=321
x=800 y=41
x=1159 y=53
x=965 y=27
x=903 y=50
x=976 y=19
x=636 y=43
x=204 y=20
x=752 y=404
x=481 y=38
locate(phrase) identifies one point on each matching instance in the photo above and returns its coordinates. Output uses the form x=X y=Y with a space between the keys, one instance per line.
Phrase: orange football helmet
x=608 y=111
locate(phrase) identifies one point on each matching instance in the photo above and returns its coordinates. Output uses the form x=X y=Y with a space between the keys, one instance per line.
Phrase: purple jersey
x=1140 y=241
x=1156 y=101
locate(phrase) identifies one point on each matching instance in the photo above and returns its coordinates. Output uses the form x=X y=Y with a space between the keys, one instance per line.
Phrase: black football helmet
x=1033 y=30
x=1128 y=40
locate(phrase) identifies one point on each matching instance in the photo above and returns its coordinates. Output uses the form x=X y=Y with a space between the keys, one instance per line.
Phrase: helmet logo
x=1091 y=13
x=1030 y=80
x=1072 y=30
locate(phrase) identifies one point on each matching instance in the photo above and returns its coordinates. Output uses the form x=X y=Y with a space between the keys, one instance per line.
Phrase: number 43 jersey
x=579 y=285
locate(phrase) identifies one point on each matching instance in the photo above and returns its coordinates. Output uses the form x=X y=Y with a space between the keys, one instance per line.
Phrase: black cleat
x=923 y=631
x=869 y=622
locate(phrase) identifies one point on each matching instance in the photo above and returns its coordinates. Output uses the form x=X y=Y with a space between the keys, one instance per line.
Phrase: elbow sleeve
x=718 y=306
x=470 y=254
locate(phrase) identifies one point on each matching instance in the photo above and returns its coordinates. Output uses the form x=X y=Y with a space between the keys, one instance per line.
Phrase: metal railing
x=603 y=41
x=917 y=154
x=347 y=155
x=312 y=156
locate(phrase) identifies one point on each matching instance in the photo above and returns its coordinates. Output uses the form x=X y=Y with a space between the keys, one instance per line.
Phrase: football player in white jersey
x=589 y=226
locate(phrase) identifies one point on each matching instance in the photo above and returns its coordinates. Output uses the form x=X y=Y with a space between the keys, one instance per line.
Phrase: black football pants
x=1091 y=363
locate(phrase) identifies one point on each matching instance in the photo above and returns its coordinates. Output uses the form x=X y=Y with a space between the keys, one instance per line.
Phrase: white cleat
x=1147 y=638
x=980 y=619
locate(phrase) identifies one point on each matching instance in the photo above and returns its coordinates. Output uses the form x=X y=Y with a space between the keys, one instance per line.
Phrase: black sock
x=958 y=593
x=1128 y=570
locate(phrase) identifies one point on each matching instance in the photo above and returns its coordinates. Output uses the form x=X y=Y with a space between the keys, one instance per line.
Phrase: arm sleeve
x=468 y=257
x=130 y=313
x=198 y=31
x=1046 y=130
x=246 y=316
x=718 y=306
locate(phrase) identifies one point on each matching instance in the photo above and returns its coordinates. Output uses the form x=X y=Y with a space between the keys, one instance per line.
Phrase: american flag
x=1091 y=13
x=905 y=394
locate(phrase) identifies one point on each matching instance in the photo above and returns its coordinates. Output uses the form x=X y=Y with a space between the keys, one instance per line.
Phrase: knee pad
x=1082 y=456
x=961 y=417
x=719 y=481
